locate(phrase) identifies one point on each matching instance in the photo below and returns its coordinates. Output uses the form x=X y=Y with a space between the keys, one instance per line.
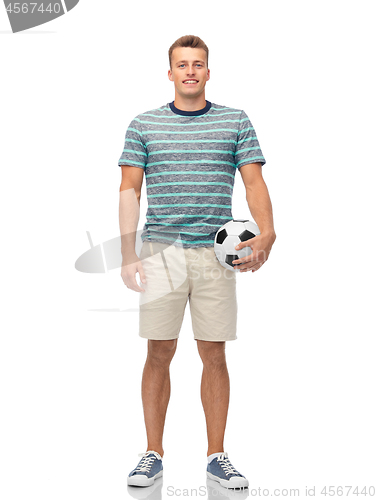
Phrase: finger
x=258 y=266
x=245 y=269
x=248 y=258
x=247 y=243
x=245 y=260
x=135 y=286
x=254 y=258
x=252 y=268
x=130 y=282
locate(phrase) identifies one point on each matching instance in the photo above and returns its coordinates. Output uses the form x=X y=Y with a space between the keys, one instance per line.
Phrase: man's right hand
x=128 y=273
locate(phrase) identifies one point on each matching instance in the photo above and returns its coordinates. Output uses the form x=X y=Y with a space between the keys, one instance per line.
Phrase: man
x=190 y=150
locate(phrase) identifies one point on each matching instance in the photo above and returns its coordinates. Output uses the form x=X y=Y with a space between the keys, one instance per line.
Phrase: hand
x=128 y=273
x=260 y=246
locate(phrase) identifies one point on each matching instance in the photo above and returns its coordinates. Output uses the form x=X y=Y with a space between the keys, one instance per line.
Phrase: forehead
x=188 y=54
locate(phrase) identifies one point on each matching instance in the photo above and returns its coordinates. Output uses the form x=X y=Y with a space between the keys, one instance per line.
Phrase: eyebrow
x=198 y=60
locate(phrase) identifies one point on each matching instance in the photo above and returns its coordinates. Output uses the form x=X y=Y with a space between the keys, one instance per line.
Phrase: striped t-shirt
x=190 y=159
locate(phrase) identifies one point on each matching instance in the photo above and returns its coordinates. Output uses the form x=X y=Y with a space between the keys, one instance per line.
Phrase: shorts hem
x=157 y=338
x=216 y=340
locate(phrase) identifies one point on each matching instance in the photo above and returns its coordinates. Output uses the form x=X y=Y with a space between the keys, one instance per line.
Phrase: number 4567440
x=17 y=7
x=340 y=491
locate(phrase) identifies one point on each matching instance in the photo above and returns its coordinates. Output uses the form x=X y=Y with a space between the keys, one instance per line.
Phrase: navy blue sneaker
x=147 y=470
x=222 y=471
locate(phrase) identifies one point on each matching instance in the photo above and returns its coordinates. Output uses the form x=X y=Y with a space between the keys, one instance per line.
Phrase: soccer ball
x=228 y=237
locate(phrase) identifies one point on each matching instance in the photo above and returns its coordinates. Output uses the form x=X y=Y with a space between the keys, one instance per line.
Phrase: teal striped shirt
x=190 y=161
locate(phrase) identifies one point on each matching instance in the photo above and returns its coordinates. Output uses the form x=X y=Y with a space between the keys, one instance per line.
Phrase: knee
x=161 y=351
x=212 y=354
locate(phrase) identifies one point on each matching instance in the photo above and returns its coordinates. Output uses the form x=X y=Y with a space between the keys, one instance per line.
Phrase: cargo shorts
x=175 y=275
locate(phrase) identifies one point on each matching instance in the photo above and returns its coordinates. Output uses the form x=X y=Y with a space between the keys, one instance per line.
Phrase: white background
x=303 y=369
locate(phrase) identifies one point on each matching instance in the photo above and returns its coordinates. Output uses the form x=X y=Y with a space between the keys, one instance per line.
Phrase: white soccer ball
x=228 y=237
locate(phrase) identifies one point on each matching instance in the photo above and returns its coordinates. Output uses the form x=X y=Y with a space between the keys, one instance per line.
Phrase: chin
x=193 y=91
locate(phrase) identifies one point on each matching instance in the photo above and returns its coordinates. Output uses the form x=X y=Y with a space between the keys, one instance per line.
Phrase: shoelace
x=146 y=462
x=226 y=465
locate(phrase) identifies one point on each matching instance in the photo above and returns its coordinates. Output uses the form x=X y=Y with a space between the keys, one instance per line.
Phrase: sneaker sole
x=141 y=480
x=239 y=482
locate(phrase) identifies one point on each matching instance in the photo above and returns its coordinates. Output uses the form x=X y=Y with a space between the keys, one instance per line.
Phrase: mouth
x=190 y=82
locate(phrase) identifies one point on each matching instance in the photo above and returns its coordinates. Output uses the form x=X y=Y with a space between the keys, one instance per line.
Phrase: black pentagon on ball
x=240 y=220
x=221 y=236
x=246 y=235
x=230 y=258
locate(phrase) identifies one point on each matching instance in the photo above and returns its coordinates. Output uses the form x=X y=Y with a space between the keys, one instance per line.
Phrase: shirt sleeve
x=247 y=149
x=134 y=152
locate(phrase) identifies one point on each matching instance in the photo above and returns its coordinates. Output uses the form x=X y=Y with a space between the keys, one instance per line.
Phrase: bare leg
x=215 y=391
x=155 y=390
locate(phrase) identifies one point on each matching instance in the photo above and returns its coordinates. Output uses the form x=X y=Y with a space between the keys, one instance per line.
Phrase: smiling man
x=189 y=150
x=189 y=77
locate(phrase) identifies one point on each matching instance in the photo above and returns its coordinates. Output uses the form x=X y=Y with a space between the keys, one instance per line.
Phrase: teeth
x=190 y=81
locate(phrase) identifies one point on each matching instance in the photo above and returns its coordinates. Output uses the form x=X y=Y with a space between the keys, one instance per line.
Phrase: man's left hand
x=260 y=246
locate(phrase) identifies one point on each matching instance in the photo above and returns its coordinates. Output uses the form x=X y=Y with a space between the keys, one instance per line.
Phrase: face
x=188 y=63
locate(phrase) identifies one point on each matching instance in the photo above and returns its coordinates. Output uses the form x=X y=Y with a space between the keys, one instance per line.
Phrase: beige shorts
x=175 y=275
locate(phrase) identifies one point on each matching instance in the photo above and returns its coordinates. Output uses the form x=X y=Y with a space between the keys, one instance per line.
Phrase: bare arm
x=129 y=208
x=129 y=213
x=260 y=207
x=257 y=197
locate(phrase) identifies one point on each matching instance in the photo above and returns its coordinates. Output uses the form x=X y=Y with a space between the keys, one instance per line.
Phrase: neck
x=186 y=103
